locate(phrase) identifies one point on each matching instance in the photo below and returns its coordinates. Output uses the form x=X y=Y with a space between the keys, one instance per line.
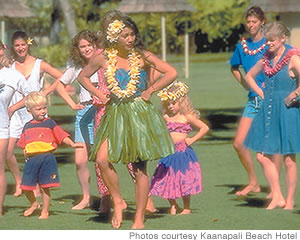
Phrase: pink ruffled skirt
x=178 y=174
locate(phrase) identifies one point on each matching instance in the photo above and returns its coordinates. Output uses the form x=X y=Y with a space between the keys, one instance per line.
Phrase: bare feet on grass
x=185 y=212
x=138 y=224
x=150 y=206
x=44 y=215
x=117 y=218
x=31 y=210
x=18 y=191
x=247 y=189
x=289 y=205
x=174 y=209
x=269 y=196
x=276 y=202
x=84 y=203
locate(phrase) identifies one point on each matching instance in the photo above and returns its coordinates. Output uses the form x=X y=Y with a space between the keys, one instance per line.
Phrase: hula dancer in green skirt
x=131 y=130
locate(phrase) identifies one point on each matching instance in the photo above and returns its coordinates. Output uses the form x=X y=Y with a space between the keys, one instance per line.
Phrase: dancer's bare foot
x=269 y=196
x=276 y=203
x=105 y=205
x=44 y=215
x=185 y=212
x=150 y=206
x=117 y=218
x=138 y=225
x=82 y=205
x=30 y=210
x=18 y=191
x=173 y=209
x=247 y=189
x=289 y=205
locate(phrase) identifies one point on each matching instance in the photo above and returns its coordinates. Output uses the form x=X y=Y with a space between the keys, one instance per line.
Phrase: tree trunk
x=69 y=17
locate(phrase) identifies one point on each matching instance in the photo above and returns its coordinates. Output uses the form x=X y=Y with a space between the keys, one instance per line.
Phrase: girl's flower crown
x=113 y=30
x=167 y=95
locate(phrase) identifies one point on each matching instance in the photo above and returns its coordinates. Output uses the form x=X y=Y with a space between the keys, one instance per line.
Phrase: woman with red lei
x=276 y=128
x=246 y=54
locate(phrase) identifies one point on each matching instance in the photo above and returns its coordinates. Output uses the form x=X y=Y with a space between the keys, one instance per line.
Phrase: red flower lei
x=251 y=52
x=270 y=71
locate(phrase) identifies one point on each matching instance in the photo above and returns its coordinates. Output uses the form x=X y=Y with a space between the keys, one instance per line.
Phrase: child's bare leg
x=186 y=205
x=3 y=147
x=34 y=204
x=83 y=175
x=106 y=202
x=37 y=191
x=276 y=159
x=174 y=206
x=141 y=194
x=291 y=178
x=13 y=165
x=272 y=177
x=245 y=157
x=150 y=205
x=111 y=180
x=46 y=203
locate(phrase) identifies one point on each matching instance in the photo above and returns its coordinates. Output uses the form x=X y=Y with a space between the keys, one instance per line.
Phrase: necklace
x=134 y=73
x=251 y=52
x=270 y=71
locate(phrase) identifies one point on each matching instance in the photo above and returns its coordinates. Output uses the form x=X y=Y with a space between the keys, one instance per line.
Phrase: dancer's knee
x=260 y=157
x=289 y=163
x=102 y=164
x=238 y=146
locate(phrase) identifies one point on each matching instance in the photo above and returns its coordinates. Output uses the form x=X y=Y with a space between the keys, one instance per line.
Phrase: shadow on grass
x=297 y=212
x=237 y=187
x=250 y=200
x=222 y=119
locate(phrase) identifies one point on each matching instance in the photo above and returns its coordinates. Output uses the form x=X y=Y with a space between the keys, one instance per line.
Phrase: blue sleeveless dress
x=134 y=129
x=276 y=128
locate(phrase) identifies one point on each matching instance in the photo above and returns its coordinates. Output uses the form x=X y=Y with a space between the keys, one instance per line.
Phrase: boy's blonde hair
x=33 y=99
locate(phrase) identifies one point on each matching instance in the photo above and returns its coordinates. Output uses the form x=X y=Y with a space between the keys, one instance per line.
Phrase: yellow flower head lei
x=134 y=73
x=167 y=95
x=29 y=41
x=113 y=30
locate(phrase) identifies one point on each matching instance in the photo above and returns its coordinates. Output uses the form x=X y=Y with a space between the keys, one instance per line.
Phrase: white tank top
x=34 y=80
x=35 y=83
x=10 y=82
x=71 y=74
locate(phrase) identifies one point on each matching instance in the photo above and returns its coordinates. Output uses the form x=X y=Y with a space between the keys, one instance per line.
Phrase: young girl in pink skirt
x=179 y=175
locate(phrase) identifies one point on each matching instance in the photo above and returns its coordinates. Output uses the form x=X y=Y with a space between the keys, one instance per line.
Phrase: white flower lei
x=166 y=95
x=134 y=73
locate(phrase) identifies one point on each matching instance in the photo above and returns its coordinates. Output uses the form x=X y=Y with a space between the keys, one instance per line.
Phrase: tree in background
x=215 y=25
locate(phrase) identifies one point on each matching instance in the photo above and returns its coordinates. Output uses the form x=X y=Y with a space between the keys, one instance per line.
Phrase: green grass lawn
x=220 y=100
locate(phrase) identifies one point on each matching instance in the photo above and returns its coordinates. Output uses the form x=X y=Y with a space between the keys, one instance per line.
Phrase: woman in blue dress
x=246 y=54
x=276 y=128
x=131 y=130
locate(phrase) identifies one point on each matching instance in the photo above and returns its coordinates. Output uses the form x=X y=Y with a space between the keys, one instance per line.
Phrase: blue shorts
x=84 y=125
x=40 y=169
x=253 y=106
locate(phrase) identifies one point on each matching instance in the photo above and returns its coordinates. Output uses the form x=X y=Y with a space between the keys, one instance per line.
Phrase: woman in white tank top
x=10 y=82
x=84 y=45
x=33 y=70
